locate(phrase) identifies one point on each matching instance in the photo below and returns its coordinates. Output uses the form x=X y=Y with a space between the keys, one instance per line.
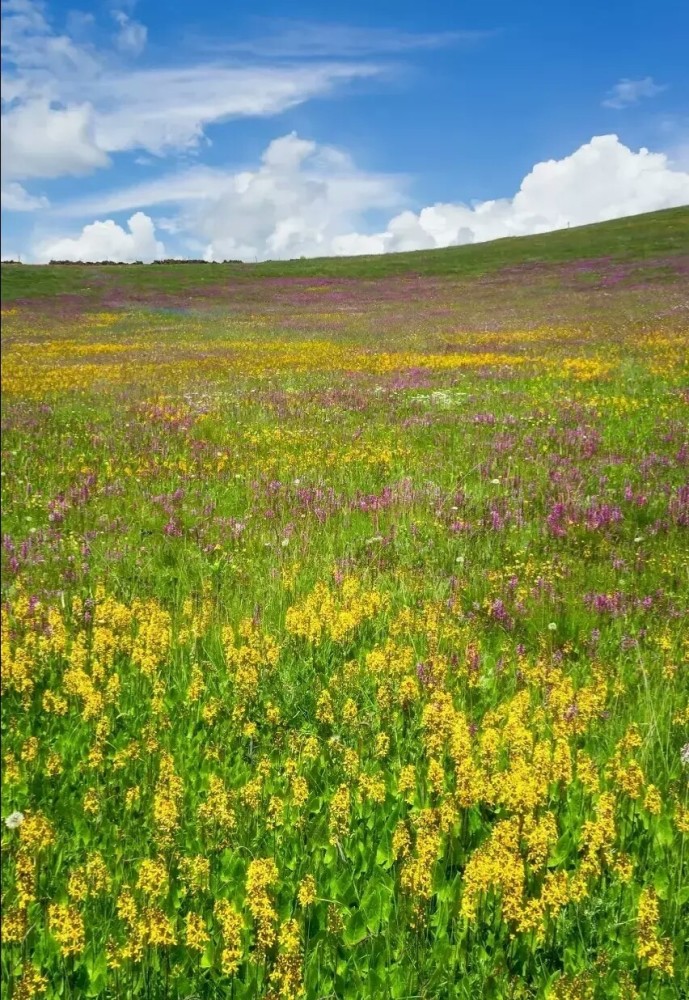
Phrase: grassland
x=344 y=622
x=640 y=238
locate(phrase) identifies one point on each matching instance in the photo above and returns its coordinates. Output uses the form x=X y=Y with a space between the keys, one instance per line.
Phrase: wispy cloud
x=289 y=163
x=74 y=104
x=68 y=105
x=132 y=35
x=161 y=110
x=283 y=38
x=628 y=92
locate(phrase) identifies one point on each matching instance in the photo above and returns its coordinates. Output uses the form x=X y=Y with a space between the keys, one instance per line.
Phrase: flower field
x=345 y=638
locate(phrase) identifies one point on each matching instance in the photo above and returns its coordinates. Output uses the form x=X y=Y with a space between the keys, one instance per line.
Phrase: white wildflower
x=14 y=820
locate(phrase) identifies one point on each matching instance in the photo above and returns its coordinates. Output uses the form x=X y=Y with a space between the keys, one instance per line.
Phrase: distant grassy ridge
x=639 y=237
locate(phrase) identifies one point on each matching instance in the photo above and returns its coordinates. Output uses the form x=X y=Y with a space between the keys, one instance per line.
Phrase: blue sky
x=139 y=130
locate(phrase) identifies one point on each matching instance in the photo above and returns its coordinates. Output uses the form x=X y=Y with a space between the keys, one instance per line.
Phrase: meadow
x=345 y=625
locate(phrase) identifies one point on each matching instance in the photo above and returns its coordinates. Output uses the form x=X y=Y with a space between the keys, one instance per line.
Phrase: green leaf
x=97 y=969
x=356 y=930
x=384 y=856
x=661 y=883
x=372 y=905
x=342 y=888
x=664 y=832
x=682 y=896
x=562 y=850
x=376 y=903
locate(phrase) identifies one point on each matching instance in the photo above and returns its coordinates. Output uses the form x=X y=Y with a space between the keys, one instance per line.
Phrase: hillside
x=642 y=238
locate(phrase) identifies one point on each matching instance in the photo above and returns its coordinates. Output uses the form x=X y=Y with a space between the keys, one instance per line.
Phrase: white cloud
x=80 y=23
x=306 y=199
x=15 y=198
x=68 y=108
x=298 y=200
x=38 y=61
x=107 y=241
x=131 y=37
x=627 y=92
x=285 y=38
x=40 y=141
x=159 y=110
x=51 y=131
x=601 y=180
x=286 y=162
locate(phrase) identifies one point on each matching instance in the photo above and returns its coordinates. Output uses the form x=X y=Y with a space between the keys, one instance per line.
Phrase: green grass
x=382 y=586
x=639 y=237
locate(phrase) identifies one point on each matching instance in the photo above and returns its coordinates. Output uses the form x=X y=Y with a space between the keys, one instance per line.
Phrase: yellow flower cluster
x=31 y=983
x=153 y=877
x=250 y=654
x=166 y=800
x=218 y=809
x=90 y=879
x=416 y=875
x=194 y=873
x=286 y=975
x=334 y=615
x=67 y=927
x=261 y=876
x=153 y=637
x=231 y=925
x=195 y=932
x=307 y=891
x=340 y=814
x=653 y=950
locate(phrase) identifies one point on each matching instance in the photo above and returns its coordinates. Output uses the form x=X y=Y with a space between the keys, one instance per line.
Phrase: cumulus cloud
x=297 y=200
x=301 y=197
x=41 y=141
x=307 y=199
x=601 y=180
x=107 y=241
x=627 y=92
